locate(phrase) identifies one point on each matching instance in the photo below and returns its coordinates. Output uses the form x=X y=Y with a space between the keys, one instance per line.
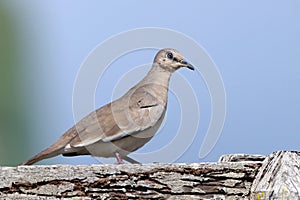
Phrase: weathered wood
x=158 y=181
x=279 y=177
x=242 y=158
x=236 y=176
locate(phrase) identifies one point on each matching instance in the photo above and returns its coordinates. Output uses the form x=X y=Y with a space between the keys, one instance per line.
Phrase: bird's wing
x=94 y=127
x=129 y=115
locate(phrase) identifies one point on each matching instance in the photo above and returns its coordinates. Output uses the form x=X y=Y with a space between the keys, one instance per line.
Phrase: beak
x=188 y=65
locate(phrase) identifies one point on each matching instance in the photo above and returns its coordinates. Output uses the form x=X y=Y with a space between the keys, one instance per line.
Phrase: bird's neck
x=158 y=75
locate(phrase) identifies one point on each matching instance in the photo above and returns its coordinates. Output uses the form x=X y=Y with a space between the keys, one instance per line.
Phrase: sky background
x=254 y=44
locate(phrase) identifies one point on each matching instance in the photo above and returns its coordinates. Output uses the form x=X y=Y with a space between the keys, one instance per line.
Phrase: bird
x=127 y=123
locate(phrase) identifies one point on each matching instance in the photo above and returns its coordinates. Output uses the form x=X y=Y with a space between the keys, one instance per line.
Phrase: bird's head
x=171 y=60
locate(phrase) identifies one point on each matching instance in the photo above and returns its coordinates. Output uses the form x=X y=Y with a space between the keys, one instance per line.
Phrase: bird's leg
x=119 y=158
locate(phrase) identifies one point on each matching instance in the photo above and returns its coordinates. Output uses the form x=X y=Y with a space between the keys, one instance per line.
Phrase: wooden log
x=242 y=158
x=279 y=177
x=236 y=176
x=224 y=180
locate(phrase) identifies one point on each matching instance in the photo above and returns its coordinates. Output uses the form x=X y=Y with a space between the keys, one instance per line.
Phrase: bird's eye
x=170 y=55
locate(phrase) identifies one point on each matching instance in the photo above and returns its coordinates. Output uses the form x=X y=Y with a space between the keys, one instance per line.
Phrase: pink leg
x=119 y=158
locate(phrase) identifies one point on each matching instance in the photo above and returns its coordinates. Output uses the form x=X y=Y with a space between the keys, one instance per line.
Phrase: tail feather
x=55 y=149
x=47 y=153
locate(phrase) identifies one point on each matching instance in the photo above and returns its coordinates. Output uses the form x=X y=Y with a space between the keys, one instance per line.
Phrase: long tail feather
x=47 y=153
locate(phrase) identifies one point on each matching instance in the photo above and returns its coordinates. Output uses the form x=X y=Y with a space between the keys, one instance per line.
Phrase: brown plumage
x=125 y=124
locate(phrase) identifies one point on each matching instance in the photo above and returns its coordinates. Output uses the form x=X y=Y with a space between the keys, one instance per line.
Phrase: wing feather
x=140 y=110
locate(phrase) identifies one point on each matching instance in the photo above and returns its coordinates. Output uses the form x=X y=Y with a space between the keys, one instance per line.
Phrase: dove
x=127 y=123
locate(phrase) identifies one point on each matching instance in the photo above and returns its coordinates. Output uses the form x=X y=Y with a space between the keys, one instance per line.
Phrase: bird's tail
x=55 y=149
x=47 y=153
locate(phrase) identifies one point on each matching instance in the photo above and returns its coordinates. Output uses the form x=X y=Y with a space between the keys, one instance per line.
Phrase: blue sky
x=254 y=44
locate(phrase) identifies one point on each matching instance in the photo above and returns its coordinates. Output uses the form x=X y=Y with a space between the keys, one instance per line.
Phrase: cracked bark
x=230 y=178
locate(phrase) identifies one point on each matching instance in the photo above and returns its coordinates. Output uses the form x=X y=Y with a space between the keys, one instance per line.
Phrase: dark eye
x=169 y=55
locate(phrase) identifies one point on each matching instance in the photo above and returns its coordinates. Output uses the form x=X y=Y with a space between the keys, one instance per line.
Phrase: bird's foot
x=119 y=158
